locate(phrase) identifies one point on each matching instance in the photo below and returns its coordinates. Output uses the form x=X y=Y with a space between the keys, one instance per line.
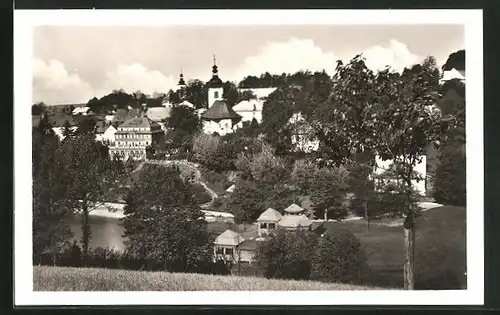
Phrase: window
x=216 y=94
x=263 y=225
x=220 y=251
x=271 y=226
x=229 y=251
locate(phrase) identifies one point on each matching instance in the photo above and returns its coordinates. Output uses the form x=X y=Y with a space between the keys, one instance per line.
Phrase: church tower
x=181 y=87
x=215 y=86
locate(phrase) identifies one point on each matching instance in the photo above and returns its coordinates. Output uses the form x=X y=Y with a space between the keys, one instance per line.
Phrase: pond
x=104 y=231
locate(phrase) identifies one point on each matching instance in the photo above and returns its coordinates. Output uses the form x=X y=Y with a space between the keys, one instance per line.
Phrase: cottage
x=294 y=219
x=225 y=245
x=245 y=251
x=267 y=222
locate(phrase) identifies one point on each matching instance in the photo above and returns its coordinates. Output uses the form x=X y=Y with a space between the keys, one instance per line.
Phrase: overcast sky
x=73 y=64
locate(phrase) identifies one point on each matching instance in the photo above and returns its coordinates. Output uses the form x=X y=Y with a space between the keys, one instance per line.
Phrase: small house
x=294 y=219
x=225 y=245
x=267 y=222
x=246 y=251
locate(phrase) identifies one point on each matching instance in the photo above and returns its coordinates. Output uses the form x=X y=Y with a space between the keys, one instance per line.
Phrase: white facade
x=214 y=94
x=222 y=127
x=450 y=75
x=108 y=136
x=421 y=169
x=249 y=110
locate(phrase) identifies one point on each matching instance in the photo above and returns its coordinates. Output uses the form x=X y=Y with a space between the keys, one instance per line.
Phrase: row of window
x=270 y=226
x=133 y=136
x=224 y=251
x=132 y=144
x=130 y=153
x=133 y=129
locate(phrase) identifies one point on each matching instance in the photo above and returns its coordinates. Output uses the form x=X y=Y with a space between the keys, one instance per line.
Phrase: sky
x=72 y=64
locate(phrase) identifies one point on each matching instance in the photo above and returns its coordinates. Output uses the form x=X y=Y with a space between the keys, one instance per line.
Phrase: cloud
x=396 y=54
x=135 y=77
x=54 y=84
x=289 y=57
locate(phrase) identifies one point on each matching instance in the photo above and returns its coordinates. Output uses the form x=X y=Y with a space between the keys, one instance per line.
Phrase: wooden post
x=409 y=245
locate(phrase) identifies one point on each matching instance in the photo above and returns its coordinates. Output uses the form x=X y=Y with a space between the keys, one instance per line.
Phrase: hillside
x=90 y=279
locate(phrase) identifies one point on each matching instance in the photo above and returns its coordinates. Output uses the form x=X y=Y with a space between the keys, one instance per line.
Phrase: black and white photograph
x=199 y=157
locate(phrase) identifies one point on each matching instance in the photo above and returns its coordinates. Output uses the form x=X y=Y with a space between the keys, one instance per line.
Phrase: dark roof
x=220 y=110
x=248 y=245
x=215 y=81
x=140 y=122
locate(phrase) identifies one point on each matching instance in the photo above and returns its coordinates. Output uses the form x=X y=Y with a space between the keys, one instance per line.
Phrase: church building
x=219 y=118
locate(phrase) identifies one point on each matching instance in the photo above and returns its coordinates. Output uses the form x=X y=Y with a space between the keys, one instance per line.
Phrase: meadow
x=93 y=279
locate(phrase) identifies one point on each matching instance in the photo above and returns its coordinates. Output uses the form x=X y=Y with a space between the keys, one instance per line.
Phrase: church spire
x=181 y=80
x=215 y=70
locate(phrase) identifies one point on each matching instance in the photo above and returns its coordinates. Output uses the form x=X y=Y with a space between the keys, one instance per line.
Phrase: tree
x=390 y=114
x=196 y=93
x=287 y=255
x=163 y=223
x=205 y=147
x=338 y=257
x=183 y=123
x=455 y=60
x=86 y=171
x=50 y=233
x=231 y=94
x=450 y=179
x=38 y=108
x=67 y=132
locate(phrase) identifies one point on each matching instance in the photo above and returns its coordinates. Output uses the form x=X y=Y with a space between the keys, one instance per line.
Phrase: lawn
x=440 y=254
x=90 y=279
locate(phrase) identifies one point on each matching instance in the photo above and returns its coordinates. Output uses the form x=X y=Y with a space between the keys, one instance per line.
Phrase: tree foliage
x=338 y=257
x=163 y=222
x=287 y=255
x=182 y=124
x=450 y=178
x=455 y=60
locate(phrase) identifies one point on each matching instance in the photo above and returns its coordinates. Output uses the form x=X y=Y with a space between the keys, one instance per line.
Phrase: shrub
x=200 y=194
x=450 y=178
x=338 y=258
x=287 y=255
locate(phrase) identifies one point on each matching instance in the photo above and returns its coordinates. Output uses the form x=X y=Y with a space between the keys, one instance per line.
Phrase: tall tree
x=50 y=233
x=86 y=170
x=393 y=115
x=197 y=94
x=455 y=60
x=183 y=123
x=163 y=223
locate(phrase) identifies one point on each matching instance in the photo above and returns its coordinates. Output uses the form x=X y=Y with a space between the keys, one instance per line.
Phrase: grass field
x=89 y=279
x=440 y=254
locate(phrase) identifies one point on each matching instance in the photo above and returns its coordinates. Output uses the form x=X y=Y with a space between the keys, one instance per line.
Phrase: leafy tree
x=287 y=255
x=391 y=114
x=86 y=171
x=67 y=132
x=205 y=147
x=450 y=179
x=338 y=257
x=231 y=94
x=196 y=93
x=38 y=108
x=50 y=233
x=455 y=60
x=163 y=222
x=183 y=124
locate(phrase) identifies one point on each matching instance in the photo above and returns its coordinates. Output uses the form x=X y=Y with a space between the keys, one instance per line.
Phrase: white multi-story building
x=252 y=109
x=134 y=136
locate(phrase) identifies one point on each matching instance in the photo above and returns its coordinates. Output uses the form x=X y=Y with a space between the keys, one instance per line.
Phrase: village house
x=241 y=247
x=134 y=136
x=252 y=109
x=451 y=75
x=105 y=132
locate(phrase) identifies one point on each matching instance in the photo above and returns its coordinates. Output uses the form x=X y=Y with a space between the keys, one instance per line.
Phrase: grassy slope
x=440 y=248
x=89 y=279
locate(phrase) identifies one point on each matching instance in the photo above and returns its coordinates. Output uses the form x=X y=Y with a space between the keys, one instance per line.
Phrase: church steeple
x=181 y=83
x=215 y=81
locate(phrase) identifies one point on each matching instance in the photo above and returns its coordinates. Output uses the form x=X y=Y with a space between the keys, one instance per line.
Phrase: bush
x=450 y=178
x=287 y=255
x=338 y=258
x=200 y=194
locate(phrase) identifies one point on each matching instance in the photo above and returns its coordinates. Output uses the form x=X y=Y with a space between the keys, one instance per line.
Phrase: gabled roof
x=231 y=188
x=229 y=237
x=139 y=122
x=294 y=221
x=220 y=110
x=270 y=215
x=293 y=208
x=158 y=113
x=453 y=74
x=250 y=245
